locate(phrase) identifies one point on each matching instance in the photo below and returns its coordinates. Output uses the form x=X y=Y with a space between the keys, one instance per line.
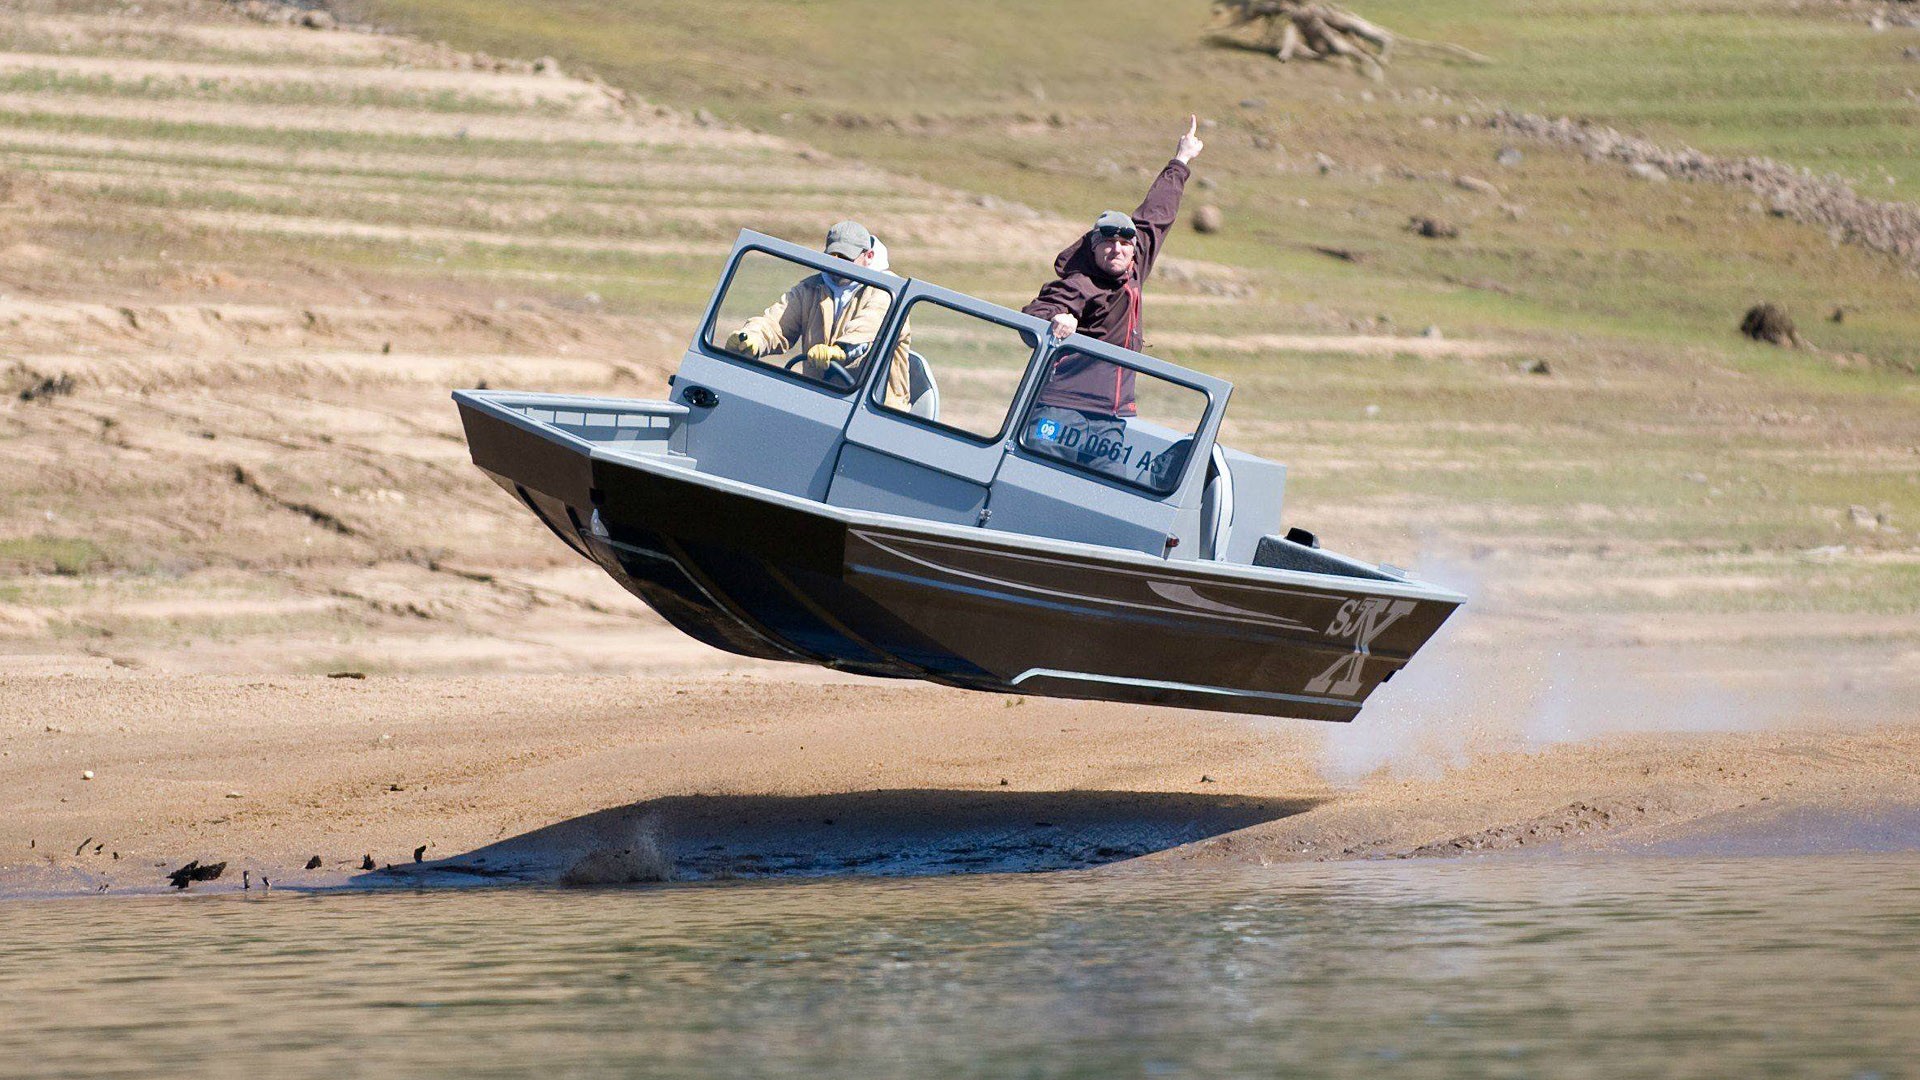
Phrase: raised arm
x=1161 y=208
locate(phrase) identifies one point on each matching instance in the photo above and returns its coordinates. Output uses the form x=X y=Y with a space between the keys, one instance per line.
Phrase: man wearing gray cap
x=1096 y=292
x=831 y=319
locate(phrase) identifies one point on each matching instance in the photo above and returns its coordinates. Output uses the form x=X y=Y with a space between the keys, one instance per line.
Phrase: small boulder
x=1433 y=228
x=315 y=20
x=1509 y=157
x=1769 y=322
x=1208 y=219
x=1648 y=171
x=1476 y=185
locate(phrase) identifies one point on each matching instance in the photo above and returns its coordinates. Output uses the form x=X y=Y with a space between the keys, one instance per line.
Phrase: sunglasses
x=1124 y=232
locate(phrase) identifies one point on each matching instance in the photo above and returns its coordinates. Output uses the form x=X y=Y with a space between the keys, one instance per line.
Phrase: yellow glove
x=822 y=355
x=741 y=343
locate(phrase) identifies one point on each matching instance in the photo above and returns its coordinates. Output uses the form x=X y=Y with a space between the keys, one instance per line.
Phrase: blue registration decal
x=1047 y=429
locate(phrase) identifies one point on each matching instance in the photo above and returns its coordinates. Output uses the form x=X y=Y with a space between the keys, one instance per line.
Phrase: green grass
x=304 y=94
x=65 y=555
x=451 y=145
x=1054 y=104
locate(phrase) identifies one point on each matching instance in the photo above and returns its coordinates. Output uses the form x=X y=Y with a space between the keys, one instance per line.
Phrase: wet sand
x=515 y=778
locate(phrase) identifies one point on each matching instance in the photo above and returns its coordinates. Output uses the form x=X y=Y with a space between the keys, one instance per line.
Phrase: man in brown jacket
x=1097 y=292
x=832 y=320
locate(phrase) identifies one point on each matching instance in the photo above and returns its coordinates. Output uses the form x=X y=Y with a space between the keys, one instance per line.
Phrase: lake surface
x=1624 y=967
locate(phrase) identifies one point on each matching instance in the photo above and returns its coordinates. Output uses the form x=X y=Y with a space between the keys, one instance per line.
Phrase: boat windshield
x=976 y=364
x=1114 y=421
x=774 y=310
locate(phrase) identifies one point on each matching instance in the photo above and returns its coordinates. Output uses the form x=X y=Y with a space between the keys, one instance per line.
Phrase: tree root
x=1305 y=29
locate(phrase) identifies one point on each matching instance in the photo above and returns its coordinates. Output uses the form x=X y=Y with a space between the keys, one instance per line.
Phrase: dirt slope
x=226 y=257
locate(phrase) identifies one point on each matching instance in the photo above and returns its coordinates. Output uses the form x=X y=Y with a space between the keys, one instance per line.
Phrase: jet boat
x=969 y=531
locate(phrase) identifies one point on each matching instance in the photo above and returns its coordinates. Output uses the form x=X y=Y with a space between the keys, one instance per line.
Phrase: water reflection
x=1501 y=968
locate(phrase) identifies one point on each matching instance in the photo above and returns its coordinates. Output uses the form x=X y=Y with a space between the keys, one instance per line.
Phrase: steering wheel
x=835 y=370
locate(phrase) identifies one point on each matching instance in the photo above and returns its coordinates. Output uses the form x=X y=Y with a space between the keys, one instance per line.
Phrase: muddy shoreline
x=746 y=775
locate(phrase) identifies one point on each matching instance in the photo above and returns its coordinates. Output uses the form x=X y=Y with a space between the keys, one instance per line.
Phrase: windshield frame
x=877 y=390
x=817 y=261
x=905 y=289
x=1206 y=429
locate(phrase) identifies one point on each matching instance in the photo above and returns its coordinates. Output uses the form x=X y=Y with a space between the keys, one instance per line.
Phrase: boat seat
x=1216 y=507
x=1216 y=498
x=923 y=394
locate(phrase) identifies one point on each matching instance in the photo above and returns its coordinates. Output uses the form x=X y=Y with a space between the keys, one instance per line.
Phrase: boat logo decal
x=1188 y=596
x=1363 y=619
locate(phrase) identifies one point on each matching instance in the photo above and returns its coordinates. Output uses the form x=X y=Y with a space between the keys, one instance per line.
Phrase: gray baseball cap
x=1114 y=219
x=849 y=238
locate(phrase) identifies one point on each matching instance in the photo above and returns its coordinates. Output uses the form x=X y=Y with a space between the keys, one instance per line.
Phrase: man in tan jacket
x=832 y=320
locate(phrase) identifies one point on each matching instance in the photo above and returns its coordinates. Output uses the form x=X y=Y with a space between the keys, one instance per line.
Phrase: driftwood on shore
x=1309 y=30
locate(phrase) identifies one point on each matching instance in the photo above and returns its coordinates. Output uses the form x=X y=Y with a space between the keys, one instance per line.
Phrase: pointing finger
x=1193 y=124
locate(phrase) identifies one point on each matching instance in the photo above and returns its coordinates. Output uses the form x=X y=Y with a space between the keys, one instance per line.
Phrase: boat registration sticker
x=1048 y=430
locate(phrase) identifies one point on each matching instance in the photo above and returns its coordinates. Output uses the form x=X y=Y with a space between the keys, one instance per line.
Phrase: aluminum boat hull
x=768 y=575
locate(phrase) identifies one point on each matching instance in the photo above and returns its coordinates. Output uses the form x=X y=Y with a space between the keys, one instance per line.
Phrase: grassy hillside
x=1061 y=104
x=1660 y=427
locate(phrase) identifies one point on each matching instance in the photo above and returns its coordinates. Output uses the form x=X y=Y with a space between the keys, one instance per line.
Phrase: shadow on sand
x=871 y=833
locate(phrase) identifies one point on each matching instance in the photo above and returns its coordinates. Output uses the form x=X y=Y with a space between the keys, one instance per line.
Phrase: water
x=1490 y=968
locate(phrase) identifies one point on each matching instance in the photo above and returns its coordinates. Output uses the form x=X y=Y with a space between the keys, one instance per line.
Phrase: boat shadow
x=884 y=833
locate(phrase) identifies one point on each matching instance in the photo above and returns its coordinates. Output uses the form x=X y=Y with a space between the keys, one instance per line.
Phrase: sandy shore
x=517 y=778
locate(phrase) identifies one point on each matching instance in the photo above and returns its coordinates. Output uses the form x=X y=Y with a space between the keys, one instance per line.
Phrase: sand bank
x=731 y=775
